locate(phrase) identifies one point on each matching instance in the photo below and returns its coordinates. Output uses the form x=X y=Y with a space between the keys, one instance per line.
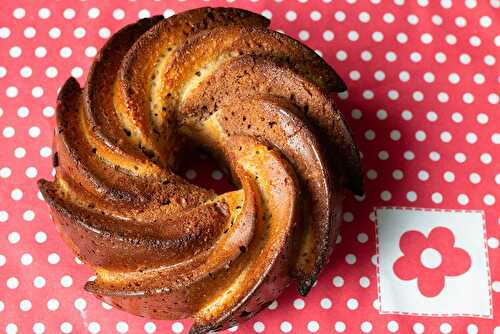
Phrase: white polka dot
x=489 y=199
x=65 y=52
x=11 y=92
x=12 y=283
x=66 y=281
x=493 y=98
x=440 y=57
x=393 y=94
x=350 y=259
x=429 y=77
x=392 y=326
x=383 y=155
x=370 y=135
x=486 y=158
x=398 y=174
x=364 y=17
x=80 y=304
x=464 y=58
x=25 y=305
x=472 y=329
x=356 y=114
x=45 y=152
x=38 y=328
x=144 y=13
x=299 y=303
x=460 y=157
x=391 y=56
x=5 y=172
x=37 y=91
x=341 y=55
x=493 y=242
x=489 y=60
x=366 y=55
x=340 y=327
x=90 y=51
x=418 y=96
x=445 y=328
x=4 y=216
x=352 y=304
x=388 y=18
x=259 y=327
x=431 y=116
x=415 y=57
x=460 y=21
x=445 y=136
x=66 y=327
x=106 y=306
x=485 y=21
x=449 y=176
x=426 y=38
x=118 y=14
x=149 y=327
x=366 y=327
x=468 y=98
x=40 y=237
x=495 y=138
x=479 y=78
x=402 y=37
x=273 y=305
x=291 y=15
x=53 y=304
x=404 y=76
x=328 y=35
x=25 y=72
x=286 y=327
x=55 y=33
x=475 y=178
x=443 y=97
x=26 y=259
x=338 y=281
x=44 y=13
x=16 y=194
x=69 y=13
x=454 y=78
x=53 y=258
x=475 y=41
x=457 y=117
x=315 y=15
x=313 y=326
x=364 y=282
x=77 y=72
x=470 y=4
x=94 y=327
x=378 y=36
x=409 y=155
x=411 y=196
x=463 y=199
x=385 y=195
x=420 y=135
x=304 y=35
x=19 y=13
x=79 y=32
x=39 y=282
x=368 y=94
x=437 y=198
x=34 y=131
x=418 y=328
x=29 y=32
x=379 y=75
x=93 y=13
x=122 y=327
x=340 y=16
x=437 y=20
x=3 y=73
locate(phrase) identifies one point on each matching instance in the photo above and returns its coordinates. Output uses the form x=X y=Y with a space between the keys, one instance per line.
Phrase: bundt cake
x=261 y=103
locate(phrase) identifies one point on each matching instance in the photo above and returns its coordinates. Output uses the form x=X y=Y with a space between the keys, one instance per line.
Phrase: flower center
x=430 y=258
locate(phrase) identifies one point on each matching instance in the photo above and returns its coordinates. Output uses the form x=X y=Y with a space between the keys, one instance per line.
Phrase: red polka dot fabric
x=423 y=102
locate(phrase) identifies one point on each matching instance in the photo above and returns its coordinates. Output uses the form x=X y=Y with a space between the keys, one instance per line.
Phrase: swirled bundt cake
x=260 y=102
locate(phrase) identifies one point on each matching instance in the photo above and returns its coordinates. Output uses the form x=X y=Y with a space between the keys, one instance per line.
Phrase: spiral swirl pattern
x=259 y=101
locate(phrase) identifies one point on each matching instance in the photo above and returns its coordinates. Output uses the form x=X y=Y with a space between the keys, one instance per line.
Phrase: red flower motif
x=430 y=259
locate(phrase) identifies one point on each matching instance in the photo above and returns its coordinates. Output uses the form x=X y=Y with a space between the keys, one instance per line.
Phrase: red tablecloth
x=423 y=102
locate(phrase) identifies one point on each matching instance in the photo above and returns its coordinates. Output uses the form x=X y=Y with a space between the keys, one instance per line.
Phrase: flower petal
x=441 y=238
x=430 y=282
x=456 y=262
x=412 y=243
x=406 y=267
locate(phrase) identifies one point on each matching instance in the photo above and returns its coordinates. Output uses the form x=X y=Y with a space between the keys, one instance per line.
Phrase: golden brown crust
x=258 y=100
